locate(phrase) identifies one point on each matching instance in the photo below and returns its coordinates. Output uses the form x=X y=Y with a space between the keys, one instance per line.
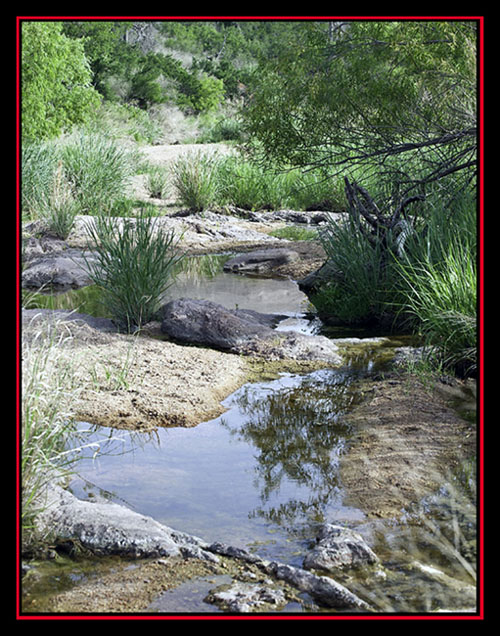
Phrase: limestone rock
x=339 y=547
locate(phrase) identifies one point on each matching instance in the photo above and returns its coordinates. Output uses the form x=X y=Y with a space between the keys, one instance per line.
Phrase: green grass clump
x=98 y=169
x=427 y=283
x=295 y=233
x=134 y=266
x=38 y=164
x=196 y=181
x=441 y=295
x=49 y=391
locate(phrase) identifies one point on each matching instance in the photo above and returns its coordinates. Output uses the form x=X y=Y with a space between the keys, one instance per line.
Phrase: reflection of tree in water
x=299 y=434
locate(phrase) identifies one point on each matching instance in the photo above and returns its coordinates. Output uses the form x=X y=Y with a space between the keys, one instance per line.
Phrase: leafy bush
x=134 y=266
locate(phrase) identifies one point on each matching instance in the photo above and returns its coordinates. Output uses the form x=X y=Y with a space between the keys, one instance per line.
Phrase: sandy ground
x=140 y=383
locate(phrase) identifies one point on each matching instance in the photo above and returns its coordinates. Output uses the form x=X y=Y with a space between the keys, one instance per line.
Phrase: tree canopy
x=55 y=81
x=399 y=97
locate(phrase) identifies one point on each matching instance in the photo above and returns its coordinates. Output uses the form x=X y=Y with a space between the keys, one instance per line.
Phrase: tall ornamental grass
x=38 y=164
x=358 y=291
x=247 y=185
x=135 y=264
x=196 y=182
x=437 y=283
x=98 y=169
x=428 y=281
x=49 y=391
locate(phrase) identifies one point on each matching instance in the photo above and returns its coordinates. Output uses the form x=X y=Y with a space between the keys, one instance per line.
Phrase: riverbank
x=406 y=437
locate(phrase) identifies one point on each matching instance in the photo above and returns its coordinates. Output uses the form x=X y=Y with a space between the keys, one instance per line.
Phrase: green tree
x=55 y=81
x=106 y=50
x=395 y=97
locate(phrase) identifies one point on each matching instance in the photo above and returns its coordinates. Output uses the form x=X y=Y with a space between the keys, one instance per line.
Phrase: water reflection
x=298 y=435
x=269 y=464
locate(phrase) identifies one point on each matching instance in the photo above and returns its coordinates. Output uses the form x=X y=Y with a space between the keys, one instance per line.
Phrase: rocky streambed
x=349 y=462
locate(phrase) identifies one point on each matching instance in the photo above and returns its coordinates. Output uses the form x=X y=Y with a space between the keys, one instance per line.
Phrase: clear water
x=262 y=476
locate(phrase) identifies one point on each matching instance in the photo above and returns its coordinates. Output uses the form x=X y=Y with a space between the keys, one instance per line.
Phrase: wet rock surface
x=58 y=270
x=261 y=261
x=244 y=597
x=210 y=324
x=339 y=547
x=105 y=528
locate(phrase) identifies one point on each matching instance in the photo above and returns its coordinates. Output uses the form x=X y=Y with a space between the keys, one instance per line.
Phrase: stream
x=265 y=475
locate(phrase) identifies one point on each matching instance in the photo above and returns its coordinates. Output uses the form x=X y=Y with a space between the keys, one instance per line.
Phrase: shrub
x=134 y=266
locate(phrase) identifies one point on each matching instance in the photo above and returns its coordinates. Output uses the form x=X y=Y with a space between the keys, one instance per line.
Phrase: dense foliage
x=55 y=81
x=388 y=107
x=395 y=98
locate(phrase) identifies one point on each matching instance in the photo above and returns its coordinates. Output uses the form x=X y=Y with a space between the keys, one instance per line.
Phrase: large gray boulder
x=105 y=527
x=205 y=323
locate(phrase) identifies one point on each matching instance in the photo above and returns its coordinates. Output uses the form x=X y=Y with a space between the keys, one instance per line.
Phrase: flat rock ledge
x=106 y=527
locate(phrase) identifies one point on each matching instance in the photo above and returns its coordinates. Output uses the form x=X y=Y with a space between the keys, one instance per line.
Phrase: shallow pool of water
x=201 y=278
x=263 y=474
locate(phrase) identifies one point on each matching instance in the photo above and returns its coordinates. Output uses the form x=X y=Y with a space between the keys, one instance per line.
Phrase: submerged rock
x=261 y=261
x=205 y=323
x=247 y=597
x=106 y=528
x=339 y=547
x=323 y=589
